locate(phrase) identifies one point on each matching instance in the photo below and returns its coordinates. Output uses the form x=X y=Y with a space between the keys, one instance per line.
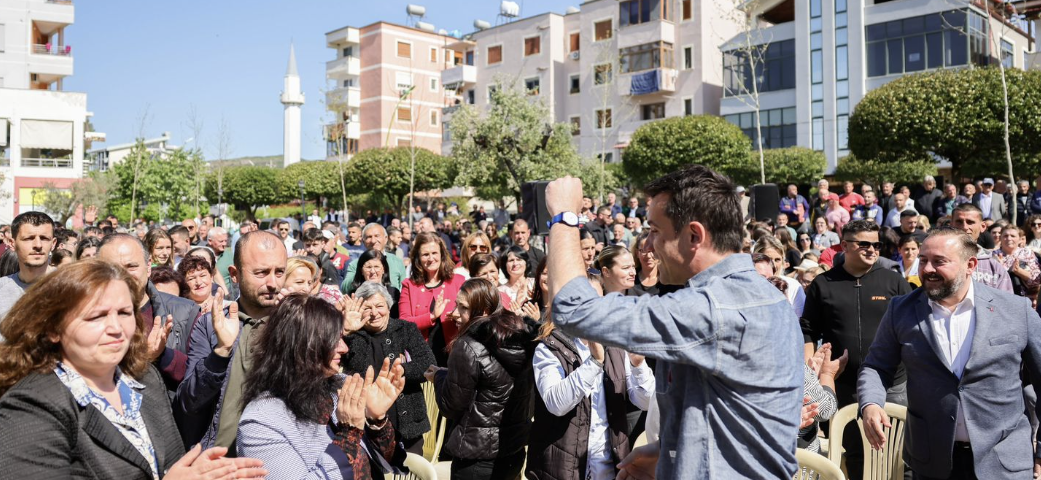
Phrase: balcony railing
x=60 y=2
x=5 y=162
x=48 y=49
x=47 y=162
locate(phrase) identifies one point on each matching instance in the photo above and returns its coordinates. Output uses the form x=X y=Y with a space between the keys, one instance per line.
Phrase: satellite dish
x=482 y=25
x=424 y=26
x=509 y=9
x=571 y=10
x=416 y=10
x=443 y=32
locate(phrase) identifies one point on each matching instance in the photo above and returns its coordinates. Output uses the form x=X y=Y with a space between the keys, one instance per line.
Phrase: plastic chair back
x=419 y=469
x=430 y=439
x=813 y=466
x=884 y=464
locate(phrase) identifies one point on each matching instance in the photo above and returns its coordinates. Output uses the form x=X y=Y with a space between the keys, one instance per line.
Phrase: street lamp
x=303 y=206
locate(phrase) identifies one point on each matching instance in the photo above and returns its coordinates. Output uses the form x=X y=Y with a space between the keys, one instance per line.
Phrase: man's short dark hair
x=91 y=230
x=353 y=225
x=967 y=207
x=330 y=223
x=698 y=194
x=63 y=235
x=312 y=235
x=908 y=213
x=858 y=226
x=604 y=209
x=968 y=248
x=169 y=275
x=180 y=230
x=30 y=218
x=105 y=223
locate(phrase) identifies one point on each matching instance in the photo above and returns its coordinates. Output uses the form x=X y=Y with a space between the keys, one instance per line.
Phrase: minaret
x=292 y=99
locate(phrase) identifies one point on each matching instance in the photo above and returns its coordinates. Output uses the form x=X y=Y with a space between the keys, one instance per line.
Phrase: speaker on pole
x=765 y=202
x=533 y=206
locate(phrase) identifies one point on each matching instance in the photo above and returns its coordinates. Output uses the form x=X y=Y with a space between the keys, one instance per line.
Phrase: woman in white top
x=519 y=283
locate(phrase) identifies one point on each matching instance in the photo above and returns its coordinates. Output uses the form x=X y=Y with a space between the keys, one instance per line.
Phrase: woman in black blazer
x=80 y=398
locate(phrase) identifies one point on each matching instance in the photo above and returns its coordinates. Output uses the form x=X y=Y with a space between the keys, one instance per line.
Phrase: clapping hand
x=809 y=412
x=350 y=406
x=439 y=307
x=381 y=393
x=351 y=307
x=157 y=337
x=226 y=327
x=819 y=357
x=530 y=310
x=834 y=367
x=211 y=464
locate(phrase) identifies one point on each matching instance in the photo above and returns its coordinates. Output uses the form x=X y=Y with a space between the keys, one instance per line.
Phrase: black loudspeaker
x=765 y=202
x=533 y=206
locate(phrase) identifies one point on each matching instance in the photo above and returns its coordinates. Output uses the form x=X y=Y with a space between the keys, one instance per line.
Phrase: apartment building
x=607 y=67
x=386 y=88
x=820 y=57
x=41 y=125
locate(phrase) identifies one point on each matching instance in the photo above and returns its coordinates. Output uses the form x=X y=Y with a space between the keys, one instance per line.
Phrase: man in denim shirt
x=729 y=376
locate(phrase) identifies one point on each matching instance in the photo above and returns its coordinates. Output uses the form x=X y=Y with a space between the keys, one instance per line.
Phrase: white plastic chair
x=813 y=466
x=419 y=469
x=884 y=464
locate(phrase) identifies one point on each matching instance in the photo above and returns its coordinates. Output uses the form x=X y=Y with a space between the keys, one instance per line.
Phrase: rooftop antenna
x=415 y=14
x=508 y=11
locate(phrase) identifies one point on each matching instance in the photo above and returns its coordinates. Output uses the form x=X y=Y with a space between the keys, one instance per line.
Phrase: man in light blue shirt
x=729 y=376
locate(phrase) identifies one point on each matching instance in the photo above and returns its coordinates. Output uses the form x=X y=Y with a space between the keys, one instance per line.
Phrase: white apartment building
x=607 y=68
x=822 y=56
x=41 y=125
x=102 y=159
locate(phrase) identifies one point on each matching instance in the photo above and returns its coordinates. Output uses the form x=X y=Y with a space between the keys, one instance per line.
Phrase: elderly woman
x=80 y=397
x=302 y=417
x=198 y=277
x=207 y=253
x=374 y=268
x=1021 y=263
x=385 y=337
x=302 y=276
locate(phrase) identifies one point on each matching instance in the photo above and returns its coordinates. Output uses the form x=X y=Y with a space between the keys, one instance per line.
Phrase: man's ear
x=234 y=274
x=697 y=234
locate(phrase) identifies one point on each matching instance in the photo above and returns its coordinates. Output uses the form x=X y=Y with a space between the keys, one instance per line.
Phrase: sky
x=144 y=64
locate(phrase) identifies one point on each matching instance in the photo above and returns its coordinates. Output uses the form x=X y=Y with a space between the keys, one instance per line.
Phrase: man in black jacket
x=844 y=307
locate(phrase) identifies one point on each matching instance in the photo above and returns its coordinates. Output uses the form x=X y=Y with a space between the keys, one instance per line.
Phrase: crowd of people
x=301 y=350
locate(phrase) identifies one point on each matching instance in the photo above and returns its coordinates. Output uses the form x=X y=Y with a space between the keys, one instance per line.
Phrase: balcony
x=57 y=50
x=47 y=162
x=349 y=97
x=655 y=31
x=343 y=67
x=648 y=82
x=342 y=37
x=459 y=77
x=330 y=130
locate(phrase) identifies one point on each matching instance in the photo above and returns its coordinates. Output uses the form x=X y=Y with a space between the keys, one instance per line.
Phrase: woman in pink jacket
x=428 y=295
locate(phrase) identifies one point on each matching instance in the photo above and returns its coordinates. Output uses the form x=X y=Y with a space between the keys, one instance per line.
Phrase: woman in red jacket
x=428 y=295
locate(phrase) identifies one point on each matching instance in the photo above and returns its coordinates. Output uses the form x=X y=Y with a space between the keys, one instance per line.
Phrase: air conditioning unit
x=575 y=55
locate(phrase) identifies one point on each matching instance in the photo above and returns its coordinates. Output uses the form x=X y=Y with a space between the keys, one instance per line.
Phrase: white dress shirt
x=985 y=201
x=562 y=394
x=954 y=330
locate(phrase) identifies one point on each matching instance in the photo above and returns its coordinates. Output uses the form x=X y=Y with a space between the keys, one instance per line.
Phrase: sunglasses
x=474 y=248
x=863 y=245
x=1035 y=224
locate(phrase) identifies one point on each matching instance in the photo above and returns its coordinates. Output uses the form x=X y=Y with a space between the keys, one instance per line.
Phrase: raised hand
x=90 y=214
x=564 y=195
x=530 y=310
x=819 y=357
x=350 y=406
x=226 y=327
x=383 y=391
x=439 y=306
x=835 y=367
x=157 y=337
x=351 y=307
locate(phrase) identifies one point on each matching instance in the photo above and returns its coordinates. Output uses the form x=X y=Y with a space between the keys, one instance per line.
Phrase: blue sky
x=227 y=58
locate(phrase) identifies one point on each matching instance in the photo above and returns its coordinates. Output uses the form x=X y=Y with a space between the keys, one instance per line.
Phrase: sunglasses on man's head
x=863 y=245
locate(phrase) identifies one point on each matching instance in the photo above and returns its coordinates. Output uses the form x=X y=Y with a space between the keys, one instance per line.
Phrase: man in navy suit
x=962 y=344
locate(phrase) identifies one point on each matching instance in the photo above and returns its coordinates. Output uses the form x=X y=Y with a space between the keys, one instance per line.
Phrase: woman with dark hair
x=1033 y=228
x=487 y=386
x=646 y=268
x=76 y=377
x=890 y=243
x=61 y=256
x=791 y=251
x=383 y=336
x=301 y=416
x=160 y=248
x=515 y=267
x=198 y=278
x=908 y=263
x=484 y=265
x=428 y=295
x=167 y=280
x=373 y=267
x=87 y=248
x=205 y=252
x=9 y=263
x=538 y=307
x=588 y=244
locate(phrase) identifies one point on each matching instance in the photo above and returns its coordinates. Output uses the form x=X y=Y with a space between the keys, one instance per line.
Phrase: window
x=775 y=69
x=404 y=49
x=457 y=58
x=576 y=84
x=345 y=146
x=635 y=12
x=531 y=85
x=403 y=142
x=1007 y=56
x=652 y=111
x=469 y=57
x=687 y=10
x=576 y=126
x=532 y=46
x=777 y=125
x=842 y=125
x=688 y=107
x=403 y=80
x=348 y=83
x=433 y=84
x=433 y=118
x=494 y=55
x=606 y=157
x=688 y=58
x=645 y=57
x=603 y=118
x=602 y=74
x=404 y=114
x=433 y=54
x=574 y=42
x=471 y=97
x=446 y=132
x=602 y=30
x=817 y=72
x=946 y=39
x=347 y=51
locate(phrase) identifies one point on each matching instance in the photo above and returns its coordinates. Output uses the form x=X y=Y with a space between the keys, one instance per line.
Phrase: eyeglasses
x=483 y=248
x=863 y=245
x=283 y=229
x=1035 y=224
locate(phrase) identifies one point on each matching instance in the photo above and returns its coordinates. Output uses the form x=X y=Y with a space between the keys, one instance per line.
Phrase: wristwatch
x=567 y=218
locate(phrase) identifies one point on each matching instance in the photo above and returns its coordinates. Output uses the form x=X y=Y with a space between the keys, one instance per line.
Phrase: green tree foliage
x=956 y=114
x=384 y=173
x=796 y=165
x=92 y=190
x=514 y=143
x=246 y=188
x=147 y=178
x=321 y=179
x=589 y=172
x=874 y=172
x=665 y=146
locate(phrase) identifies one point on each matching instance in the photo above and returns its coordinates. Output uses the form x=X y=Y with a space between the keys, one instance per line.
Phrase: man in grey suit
x=991 y=203
x=962 y=344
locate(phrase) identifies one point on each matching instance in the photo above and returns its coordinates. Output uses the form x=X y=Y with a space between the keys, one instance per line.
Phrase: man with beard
x=989 y=271
x=962 y=344
x=844 y=307
x=33 y=234
x=209 y=399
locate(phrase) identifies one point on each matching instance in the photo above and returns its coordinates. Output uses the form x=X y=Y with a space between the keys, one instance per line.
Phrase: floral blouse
x=129 y=423
x=1027 y=257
